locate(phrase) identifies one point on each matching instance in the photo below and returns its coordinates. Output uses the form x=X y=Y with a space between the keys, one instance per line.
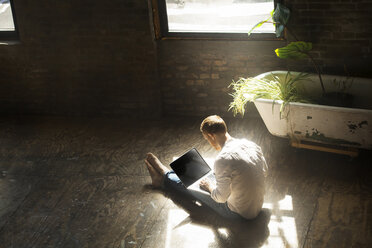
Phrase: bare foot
x=156 y=177
x=155 y=162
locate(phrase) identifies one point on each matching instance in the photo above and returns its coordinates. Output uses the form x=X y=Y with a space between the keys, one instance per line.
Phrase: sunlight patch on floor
x=182 y=233
x=282 y=226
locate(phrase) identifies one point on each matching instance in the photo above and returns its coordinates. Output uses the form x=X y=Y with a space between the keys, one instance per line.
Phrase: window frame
x=160 y=21
x=11 y=35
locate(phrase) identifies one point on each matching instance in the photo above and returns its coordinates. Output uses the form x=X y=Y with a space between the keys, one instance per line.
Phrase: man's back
x=240 y=170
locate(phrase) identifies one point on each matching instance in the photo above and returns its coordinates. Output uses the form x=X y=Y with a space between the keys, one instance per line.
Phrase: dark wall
x=195 y=73
x=100 y=58
x=341 y=32
x=81 y=58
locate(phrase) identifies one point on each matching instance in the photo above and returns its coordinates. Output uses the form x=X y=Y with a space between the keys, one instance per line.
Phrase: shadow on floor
x=227 y=233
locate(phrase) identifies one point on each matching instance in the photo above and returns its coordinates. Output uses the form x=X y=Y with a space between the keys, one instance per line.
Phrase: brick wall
x=81 y=58
x=341 y=32
x=195 y=73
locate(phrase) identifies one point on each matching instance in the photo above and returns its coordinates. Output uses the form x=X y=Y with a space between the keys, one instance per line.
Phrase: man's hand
x=206 y=185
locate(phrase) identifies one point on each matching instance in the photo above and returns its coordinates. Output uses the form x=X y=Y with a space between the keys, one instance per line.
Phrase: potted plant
x=300 y=50
x=288 y=104
x=274 y=87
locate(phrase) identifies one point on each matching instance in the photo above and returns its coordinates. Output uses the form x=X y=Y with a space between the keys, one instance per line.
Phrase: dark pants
x=173 y=184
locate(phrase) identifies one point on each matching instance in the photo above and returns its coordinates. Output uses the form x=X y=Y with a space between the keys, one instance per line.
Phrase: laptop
x=191 y=168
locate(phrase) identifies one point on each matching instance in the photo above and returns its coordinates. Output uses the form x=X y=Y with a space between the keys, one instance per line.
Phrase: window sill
x=9 y=42
x=221 y=36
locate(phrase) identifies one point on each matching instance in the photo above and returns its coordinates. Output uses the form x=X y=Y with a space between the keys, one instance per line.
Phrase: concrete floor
x=75 y=182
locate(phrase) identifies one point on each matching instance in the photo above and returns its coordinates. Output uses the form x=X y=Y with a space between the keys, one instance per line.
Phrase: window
x=8 y=30
x=213 y=18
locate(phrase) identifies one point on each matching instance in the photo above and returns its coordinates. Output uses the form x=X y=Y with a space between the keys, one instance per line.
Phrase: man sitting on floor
x=240 y=171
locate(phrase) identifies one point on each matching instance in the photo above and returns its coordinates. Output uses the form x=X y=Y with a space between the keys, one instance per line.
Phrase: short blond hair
x=213 y=124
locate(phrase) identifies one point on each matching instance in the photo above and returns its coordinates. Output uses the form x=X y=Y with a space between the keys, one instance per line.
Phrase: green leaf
x=258 y=25
x=280 y=17
x=273 y=87
x=279 y=30
x=281 y=14
x=294 y=50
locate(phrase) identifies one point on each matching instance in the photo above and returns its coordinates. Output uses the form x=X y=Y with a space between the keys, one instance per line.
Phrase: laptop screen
x=190 y=167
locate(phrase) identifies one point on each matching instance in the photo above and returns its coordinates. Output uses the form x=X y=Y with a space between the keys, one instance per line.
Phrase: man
x=240 y=171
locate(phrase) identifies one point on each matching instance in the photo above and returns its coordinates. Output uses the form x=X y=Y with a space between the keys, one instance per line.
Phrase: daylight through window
x=8 y=24
x=6 y=16
x=218 y=16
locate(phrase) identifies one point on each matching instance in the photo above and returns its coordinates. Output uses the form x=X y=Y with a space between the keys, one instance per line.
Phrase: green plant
x=286 y=89
x=294 y=50
x=343 y=85
x=299 y=50
x=278 y=17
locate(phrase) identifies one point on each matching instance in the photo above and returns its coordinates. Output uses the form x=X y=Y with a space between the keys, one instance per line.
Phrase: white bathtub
x=346 y=127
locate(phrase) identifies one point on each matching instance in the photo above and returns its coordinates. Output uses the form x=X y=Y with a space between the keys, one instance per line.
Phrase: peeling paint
x=309 y=117
x=360 y=125
x=321 y=137
x=352 y=127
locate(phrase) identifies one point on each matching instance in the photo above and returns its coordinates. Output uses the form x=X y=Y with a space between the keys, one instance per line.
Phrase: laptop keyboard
x=211 y=177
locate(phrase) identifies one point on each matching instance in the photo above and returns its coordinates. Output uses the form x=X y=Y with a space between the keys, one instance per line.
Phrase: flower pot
x=340 y=126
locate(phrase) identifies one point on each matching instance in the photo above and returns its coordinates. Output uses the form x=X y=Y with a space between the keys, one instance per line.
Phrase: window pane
x=218 y=16
x=6 y=16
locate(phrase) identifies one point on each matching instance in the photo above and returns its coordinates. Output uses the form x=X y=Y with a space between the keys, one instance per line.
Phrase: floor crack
x=151 y=228
x=313 y=215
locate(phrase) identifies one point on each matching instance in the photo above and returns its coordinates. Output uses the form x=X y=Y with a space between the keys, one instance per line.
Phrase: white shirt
x=240 y=170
